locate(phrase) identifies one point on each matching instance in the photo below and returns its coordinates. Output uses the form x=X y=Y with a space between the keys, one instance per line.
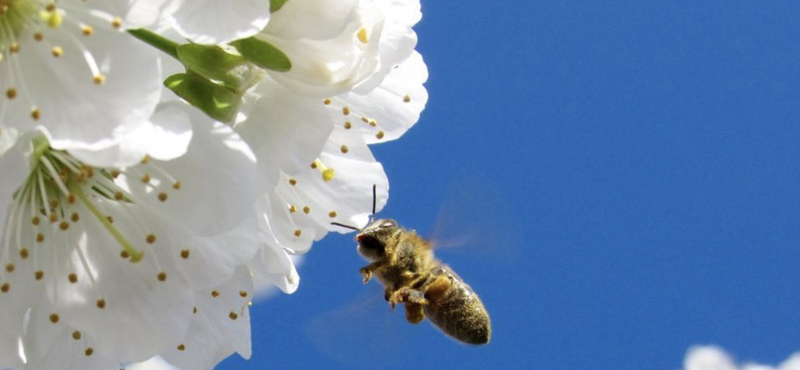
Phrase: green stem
x=136 y=255
x=159 y=42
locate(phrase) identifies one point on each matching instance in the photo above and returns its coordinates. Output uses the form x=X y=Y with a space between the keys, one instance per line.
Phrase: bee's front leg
x=368 y=270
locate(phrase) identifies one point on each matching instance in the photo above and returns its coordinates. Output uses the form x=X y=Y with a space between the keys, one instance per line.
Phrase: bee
x=404 y=262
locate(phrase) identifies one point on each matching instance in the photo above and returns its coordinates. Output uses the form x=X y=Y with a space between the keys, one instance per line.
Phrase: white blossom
x=714 y=358
x=85 y=248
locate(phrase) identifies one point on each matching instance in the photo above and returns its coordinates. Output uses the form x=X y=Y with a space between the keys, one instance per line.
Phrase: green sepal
x=275 y=5
x=263 y=54
x=215 y=100
x=214 y=63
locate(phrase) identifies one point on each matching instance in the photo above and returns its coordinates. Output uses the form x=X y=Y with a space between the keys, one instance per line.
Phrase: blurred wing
x=476 y=219
x=363 y=334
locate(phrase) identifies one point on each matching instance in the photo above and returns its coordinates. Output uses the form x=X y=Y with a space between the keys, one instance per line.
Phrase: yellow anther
x=327 y=173
x=362 y=35
x=52 y=17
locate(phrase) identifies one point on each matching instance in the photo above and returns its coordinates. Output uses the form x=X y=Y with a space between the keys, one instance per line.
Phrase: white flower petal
x=331 y=50
x=280 y=227
x=172 y=132
x=208 y=261
x=14 y=166
x=155 y=363
x=92 y=288
x=76 y=111
x=397 y=40
x=389 y=110
x=219 y=328
x=166 y=137
x=53 y=346
x=11 y=330
x=135 y=13
x=284 y=129
x=209 y=190
x=219 y=22
x=274 y=267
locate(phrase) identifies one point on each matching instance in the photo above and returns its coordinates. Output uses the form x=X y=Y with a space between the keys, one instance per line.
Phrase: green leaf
x=215 y=100
x=275 y=5
x=263 y=54
x=214 y=63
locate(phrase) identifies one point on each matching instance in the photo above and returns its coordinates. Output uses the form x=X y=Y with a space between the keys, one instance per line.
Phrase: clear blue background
x=648 y=151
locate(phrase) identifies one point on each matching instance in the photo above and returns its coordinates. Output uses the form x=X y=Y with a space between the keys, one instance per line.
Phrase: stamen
x=327 y=173
x=135 y=254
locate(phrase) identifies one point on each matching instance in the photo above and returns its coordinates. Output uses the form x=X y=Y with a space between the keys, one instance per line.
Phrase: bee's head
x=373 y=239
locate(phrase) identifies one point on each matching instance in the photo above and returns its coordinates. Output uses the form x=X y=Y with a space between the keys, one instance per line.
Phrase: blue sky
x=645 y=156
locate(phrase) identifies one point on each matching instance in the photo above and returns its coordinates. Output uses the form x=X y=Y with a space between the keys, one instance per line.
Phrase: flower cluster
x=161 y=159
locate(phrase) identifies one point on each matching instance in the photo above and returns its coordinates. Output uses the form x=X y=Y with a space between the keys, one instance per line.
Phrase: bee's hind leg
x=414 y=313
x=408 y=295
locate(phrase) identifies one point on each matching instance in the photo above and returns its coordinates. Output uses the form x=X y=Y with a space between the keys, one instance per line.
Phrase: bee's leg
x=414 y=313
x=435 y=290
x=408 y=295
x=366 y=271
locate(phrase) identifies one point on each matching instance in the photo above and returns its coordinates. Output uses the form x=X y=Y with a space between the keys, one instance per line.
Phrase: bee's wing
x=476 y=219
x=363 y=334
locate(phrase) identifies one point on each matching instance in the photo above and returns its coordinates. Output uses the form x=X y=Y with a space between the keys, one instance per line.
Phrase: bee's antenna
x=346 y=226
x=374 y=200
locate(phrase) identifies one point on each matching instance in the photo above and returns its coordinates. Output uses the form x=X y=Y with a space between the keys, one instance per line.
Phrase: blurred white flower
x=337 y=46
x=714 y=358
x=85 y=249
x=69 y=68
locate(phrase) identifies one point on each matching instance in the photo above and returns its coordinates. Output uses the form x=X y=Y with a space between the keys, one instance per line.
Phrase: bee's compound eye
x=388 y=223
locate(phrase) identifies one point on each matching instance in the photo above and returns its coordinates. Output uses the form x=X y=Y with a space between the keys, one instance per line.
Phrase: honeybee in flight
x=404 y=262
